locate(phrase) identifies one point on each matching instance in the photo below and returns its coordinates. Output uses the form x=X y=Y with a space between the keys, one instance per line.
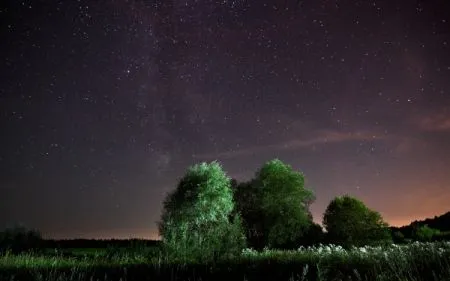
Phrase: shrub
x=425 y=233
x=398 y=237
x=19 y=239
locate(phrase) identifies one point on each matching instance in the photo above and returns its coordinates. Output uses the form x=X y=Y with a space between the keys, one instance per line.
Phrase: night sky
x=104 y=105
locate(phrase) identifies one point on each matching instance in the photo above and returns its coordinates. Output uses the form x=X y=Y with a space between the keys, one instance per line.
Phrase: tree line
x=210 y=215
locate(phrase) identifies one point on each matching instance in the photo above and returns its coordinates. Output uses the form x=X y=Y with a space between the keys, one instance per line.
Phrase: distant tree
x=285 y=204
x=438 y=223
x=425 y=233
x=196 y=222
x=349 y=222
x=20 y=239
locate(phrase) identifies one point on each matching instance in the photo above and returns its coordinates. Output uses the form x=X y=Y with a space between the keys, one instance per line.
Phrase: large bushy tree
x=197 y=221
x=349 y=222
x=284 y=202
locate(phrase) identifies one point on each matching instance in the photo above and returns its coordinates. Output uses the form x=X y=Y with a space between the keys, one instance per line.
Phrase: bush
x=398 y=237
x=19 y=239
x=425 y=233
x=443 y=236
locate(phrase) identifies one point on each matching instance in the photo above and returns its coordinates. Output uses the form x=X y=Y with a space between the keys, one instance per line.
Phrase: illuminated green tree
x=197 y=221
x=285 y=204
x=349 y=222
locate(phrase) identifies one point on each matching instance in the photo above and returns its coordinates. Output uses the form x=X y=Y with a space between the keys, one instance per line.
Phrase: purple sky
x=104 y=104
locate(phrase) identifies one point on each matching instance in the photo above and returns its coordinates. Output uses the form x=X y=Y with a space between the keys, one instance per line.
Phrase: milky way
x=104 y=104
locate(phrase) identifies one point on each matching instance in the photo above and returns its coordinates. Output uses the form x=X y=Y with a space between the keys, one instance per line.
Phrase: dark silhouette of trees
x=425 y=233
x=19 y=239
x=398 y=237
x=248 y=200
x=438 y=223
x=313 y=236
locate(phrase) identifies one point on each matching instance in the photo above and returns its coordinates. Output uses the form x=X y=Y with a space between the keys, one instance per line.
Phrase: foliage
x=247 y=198
x=285 y=204
x=196 y=220
x=19 y=239
x=313 y=236
x=398 y=237
x=234 y=240
x=349 y=222
x=441 y=223
x=425 y=233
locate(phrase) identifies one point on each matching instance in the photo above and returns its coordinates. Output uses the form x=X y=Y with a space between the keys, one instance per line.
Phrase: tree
x=196 y=222
x=285 y=204
x=425 y=233
x=349 y=222
x=247 y=198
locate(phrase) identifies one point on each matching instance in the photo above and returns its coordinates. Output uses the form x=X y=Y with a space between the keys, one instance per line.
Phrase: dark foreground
x=418 y=261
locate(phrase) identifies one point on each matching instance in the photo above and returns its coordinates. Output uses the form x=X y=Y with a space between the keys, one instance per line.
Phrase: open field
x=416 y=261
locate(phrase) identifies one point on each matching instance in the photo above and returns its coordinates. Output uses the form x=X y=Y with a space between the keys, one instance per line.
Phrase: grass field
x=416 y=261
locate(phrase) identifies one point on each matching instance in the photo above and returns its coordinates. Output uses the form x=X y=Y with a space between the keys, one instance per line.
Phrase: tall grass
x=414 y=262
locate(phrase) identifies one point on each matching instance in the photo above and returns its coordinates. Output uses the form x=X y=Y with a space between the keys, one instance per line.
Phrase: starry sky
x=104 y=104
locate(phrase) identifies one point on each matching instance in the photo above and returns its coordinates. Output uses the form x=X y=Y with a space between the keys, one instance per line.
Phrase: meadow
x=414 y=261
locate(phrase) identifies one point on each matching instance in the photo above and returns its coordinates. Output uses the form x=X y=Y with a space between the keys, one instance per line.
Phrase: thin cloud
x=435 y=123
x=413 y=136
x=320 y=137
x=406 y=144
